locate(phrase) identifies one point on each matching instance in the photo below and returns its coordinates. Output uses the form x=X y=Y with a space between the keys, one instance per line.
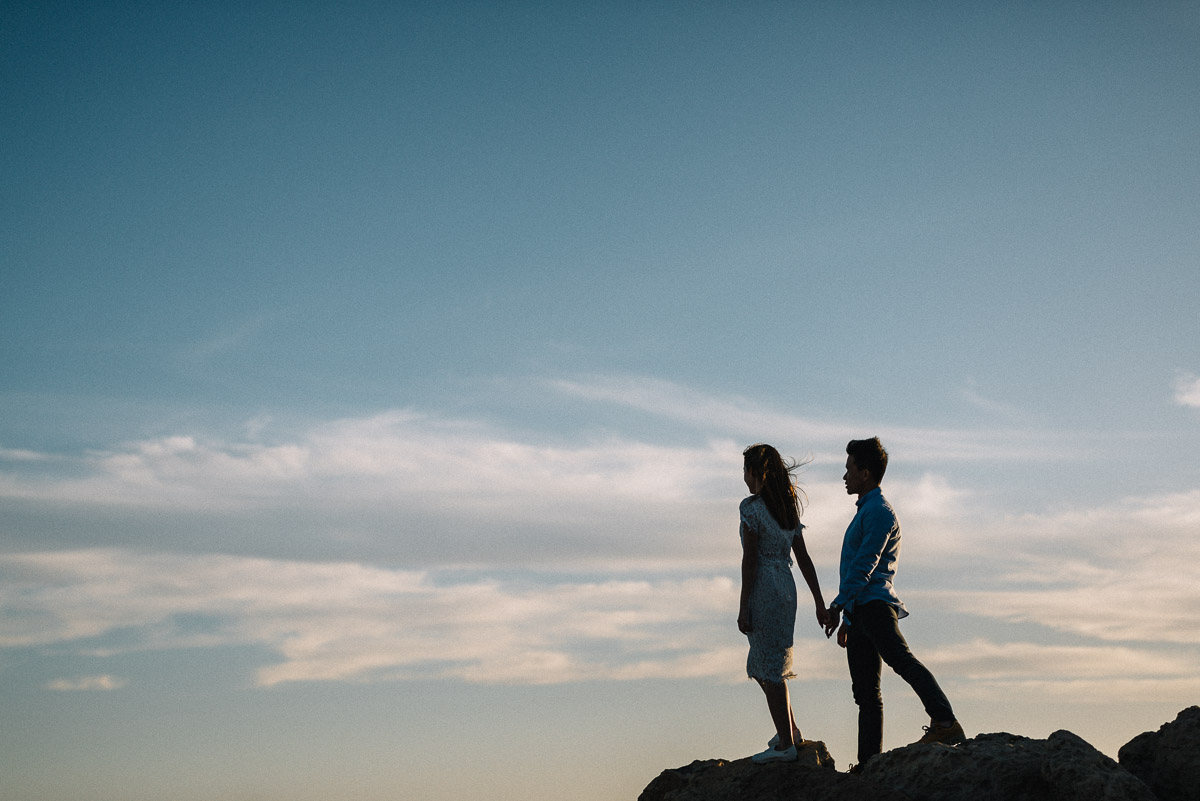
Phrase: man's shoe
x=774 y=741
x=950 y=735
x=771 y=755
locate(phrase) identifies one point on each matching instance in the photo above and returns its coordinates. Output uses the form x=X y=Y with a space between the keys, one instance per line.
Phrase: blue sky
x=375 y=379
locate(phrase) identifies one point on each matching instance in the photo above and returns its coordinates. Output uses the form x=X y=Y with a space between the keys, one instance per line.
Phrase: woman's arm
x=804 y=562
x=749 y=575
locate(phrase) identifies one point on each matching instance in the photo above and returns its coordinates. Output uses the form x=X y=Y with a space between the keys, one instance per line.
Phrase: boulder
x=1168 y=760
x=811 y=778
x=1006 y=767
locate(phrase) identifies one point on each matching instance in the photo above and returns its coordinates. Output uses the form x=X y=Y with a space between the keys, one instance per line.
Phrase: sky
x=374 y=379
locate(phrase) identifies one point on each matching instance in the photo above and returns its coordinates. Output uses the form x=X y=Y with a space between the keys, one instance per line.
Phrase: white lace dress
x=773 y=596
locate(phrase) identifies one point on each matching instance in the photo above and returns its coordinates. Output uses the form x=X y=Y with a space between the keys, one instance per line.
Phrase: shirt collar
x=867 y=497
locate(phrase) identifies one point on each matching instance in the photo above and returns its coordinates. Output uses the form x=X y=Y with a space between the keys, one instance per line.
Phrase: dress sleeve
x=749 y=514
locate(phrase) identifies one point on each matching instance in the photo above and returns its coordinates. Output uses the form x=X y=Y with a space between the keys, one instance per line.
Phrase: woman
x=767 y=615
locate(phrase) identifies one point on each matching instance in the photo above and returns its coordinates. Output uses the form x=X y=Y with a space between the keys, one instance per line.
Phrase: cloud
x=971 y=394
x=401 y=483
x=745 y=417
x=19 y=455
x=1187 y=389
x=408 y=545
x=982 y=659
x=352 y=622
x=1108 y=572
x=86 y=683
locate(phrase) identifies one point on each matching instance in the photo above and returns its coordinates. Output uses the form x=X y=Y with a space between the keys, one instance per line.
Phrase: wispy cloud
x=746 y=417
x=1187 y=389
x=971 y=393
x=437 y=491
x=86 y=683
x=354 y=622
x=20 y=455
x=233 y=337
x=1111 y=573
x=406 y=544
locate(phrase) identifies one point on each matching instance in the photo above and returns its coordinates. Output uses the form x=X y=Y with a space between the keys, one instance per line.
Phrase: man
x=870 y=609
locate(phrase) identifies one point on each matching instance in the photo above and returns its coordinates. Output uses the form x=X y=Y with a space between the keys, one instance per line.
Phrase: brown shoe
x=950 y=735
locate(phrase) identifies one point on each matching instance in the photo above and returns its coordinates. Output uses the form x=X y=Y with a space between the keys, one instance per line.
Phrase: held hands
x=823 y=617
x=832 y=616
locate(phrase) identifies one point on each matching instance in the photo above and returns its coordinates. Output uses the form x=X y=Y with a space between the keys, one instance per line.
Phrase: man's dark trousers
x=874 y=636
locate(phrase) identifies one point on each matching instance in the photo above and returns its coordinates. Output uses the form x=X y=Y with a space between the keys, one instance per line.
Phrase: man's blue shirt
x=870 y=550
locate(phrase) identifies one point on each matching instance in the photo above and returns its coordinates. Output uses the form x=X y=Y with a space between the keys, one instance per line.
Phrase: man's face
x=857 y=481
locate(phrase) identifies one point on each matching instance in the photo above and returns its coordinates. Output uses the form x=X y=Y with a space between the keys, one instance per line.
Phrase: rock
x=1006 y=767
x=811 y=778
x=1168 y=760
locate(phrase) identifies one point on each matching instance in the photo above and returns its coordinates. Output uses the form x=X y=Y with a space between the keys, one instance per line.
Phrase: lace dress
x=773 y=596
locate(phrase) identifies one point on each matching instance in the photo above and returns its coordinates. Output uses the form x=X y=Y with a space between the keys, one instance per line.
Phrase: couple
x=866 y=604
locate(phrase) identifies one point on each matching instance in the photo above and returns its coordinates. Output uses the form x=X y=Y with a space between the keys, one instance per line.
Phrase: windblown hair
x=784 y=500
x=869 y=454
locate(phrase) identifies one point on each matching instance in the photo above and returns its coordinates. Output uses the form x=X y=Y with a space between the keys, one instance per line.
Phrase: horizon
x=376 y=381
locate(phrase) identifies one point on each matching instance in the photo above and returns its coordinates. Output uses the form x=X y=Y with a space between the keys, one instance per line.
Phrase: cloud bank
x=405 y=545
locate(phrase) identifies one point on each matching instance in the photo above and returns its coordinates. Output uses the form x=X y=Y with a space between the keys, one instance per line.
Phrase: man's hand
x=744 y=621
x=843 y=635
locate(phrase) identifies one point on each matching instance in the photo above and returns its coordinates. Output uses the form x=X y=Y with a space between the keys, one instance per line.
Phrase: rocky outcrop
x=1168 y=760
x=1006 y=767
x=811 y=778
x=989 y=767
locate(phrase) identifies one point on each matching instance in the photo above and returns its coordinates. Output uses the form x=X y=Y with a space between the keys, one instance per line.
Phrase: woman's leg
x=780 y=706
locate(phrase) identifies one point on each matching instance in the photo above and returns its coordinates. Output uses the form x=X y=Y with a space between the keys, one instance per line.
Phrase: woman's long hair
x=779 y=491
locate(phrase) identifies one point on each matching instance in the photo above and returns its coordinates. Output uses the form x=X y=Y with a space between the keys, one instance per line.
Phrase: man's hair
x=869 y=454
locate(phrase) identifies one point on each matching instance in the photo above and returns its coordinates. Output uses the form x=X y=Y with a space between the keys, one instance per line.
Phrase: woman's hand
x=823 y=616
x=744 y=620
x=831 y=620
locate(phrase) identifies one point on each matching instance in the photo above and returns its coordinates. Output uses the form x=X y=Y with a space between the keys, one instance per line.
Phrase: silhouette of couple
x=864 y=614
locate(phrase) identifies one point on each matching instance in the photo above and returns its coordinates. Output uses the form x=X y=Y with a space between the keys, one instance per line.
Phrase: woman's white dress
x=773 y=596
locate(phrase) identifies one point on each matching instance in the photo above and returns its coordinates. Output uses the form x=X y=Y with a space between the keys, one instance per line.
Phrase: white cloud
x=1110 y=572
x=971 y=394
x=981 y=659
x=747 y=418
x=435 y=491
x=19 y=455
x=86 y=683
x=354 y=622
x=642 y=519
x=1187 y=389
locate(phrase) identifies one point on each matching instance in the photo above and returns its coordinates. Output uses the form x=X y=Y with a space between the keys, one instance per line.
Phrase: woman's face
x=753 y=483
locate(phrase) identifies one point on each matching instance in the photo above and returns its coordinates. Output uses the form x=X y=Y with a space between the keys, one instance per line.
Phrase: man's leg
x=878 y=620
x=865 y=665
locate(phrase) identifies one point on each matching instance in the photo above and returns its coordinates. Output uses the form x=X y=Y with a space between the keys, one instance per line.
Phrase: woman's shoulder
x=751 y=502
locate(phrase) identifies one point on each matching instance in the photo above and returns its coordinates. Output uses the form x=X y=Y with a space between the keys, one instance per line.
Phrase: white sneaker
x=771 y=755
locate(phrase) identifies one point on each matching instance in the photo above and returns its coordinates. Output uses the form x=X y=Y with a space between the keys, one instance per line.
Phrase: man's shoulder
x=876 y=505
